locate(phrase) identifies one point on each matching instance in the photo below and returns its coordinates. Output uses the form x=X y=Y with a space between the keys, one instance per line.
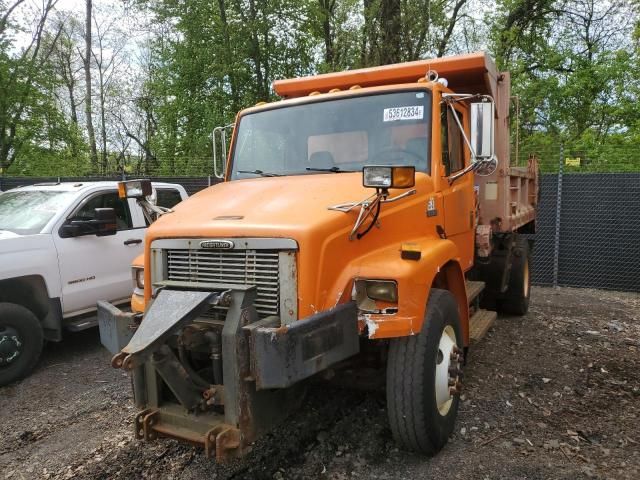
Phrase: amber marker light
x=410 y=251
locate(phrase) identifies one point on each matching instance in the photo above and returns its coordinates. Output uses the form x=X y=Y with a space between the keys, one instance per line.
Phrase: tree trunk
x=235 y=99
x=103 y=124
x=327 y=8
x=87 y=78
x=391 y=26
x=256 y=54
x=444 y=42
x=368 y=55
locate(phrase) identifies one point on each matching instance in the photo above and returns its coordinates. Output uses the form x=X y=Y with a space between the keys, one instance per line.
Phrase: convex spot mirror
x=382 y=176
x=482 y=130
x=102 y=224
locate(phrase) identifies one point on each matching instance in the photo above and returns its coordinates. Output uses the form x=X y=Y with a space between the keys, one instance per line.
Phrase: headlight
x=134 y=189
x=383 y=290
x=138 y=278
x=367 y=292
x=388 y=176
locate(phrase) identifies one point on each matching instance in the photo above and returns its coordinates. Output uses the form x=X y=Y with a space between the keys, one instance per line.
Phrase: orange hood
x=274 y=207
x=296 y=207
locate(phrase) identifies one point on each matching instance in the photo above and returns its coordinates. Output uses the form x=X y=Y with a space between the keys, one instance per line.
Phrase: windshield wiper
x=332 y=169
x=261 y=173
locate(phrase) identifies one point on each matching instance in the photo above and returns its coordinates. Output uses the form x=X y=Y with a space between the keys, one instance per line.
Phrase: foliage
x=164 y=73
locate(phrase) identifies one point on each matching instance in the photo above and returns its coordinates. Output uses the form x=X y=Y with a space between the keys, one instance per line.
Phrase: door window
x=168 y=197
x=452 y=142
x=106 y=200
x=165 y=197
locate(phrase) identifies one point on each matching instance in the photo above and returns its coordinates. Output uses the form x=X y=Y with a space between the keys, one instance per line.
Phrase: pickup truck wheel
x=423 y=378
x=21 y=340
x=515 y=300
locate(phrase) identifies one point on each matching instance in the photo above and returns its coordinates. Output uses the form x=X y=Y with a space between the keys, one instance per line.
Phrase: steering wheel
x=392 y=150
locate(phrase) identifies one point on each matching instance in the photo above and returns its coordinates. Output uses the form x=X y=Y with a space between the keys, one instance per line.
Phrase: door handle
x=133 y=241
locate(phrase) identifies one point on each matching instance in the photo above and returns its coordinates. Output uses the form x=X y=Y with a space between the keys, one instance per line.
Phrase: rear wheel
x=515 y=300
x=21 y=340
x=423 y=378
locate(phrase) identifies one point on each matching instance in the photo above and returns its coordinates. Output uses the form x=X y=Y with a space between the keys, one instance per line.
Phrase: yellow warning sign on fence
x=572 y=162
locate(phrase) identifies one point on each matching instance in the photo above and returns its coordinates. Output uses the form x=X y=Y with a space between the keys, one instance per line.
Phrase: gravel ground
x=555 y=394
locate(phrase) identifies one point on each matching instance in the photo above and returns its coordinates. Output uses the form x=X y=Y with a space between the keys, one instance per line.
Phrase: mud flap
x=282 y=356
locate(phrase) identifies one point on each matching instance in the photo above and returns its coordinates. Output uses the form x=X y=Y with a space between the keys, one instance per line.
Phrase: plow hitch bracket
x=170 y=310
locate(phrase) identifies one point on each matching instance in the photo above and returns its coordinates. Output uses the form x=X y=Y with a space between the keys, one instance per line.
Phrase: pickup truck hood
x=4 y=234
x=12 y=242
x=22 y=255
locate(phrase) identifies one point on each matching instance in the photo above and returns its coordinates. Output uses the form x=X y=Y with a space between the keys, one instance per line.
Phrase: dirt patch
x=555 y=394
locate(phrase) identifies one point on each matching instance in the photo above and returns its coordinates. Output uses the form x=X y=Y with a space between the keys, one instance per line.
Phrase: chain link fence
x=588 y=221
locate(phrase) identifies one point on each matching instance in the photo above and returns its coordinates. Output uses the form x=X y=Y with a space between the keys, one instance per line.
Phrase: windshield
x=28 y=211
x=335 y=135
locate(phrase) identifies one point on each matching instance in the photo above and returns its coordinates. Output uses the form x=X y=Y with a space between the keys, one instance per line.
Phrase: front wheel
x=21 y=340
x=423 y=378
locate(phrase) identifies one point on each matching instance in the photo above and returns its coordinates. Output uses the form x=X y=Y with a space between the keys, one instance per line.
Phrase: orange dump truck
x=367 y=210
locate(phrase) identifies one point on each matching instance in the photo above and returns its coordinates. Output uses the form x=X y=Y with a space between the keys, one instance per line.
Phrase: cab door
x=458 y=196
x=96 y=268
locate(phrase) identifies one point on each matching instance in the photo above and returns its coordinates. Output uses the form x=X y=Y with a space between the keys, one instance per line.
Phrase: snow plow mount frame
x=262 y=363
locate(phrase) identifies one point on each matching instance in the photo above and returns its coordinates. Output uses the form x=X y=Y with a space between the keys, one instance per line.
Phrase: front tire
x=21 y=340
x=423 y=375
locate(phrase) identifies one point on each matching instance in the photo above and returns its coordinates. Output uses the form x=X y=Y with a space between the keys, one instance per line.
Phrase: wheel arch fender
x=438 y=265
x=31 y=292
x=450 y=276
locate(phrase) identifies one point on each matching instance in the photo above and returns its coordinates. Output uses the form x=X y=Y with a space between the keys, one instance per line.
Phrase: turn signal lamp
x=378 y=176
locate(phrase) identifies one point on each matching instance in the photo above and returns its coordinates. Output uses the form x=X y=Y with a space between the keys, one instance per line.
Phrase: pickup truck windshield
x=28 y=211
x=335 y=135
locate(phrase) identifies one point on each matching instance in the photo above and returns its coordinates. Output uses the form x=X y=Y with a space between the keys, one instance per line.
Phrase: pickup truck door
x=96 y=268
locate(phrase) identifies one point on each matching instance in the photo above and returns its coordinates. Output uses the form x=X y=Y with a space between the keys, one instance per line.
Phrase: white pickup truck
x=55 y=263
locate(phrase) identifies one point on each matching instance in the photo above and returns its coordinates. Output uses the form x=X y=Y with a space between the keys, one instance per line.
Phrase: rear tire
x=515 y=300
x=21 y=340
x=422 y=410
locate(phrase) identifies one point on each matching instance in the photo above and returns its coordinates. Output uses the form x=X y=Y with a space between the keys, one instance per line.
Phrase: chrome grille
x=238 y=267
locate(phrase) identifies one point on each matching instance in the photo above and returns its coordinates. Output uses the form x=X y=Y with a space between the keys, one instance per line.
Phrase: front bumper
x=280 y=355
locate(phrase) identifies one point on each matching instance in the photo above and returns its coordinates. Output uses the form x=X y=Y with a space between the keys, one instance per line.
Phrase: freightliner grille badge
x=217 y=244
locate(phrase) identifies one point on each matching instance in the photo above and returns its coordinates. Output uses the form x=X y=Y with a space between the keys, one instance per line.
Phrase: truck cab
x=366 y=210
x=55 y=264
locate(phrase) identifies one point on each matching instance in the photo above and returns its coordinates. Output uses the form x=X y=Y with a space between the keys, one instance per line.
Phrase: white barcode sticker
x=414 y=112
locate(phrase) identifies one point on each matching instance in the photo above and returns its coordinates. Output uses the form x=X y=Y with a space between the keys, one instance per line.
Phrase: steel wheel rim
x=11 y=346
x=446 y=346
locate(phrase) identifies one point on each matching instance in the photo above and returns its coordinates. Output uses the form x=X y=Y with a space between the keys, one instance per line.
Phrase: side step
x=473 y=290
x=77 y=325
x=480 y=323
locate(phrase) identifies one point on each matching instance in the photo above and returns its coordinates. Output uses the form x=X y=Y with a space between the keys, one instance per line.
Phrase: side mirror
x=482 y=130
x=102 y=224
x=105 y=221
x=69 y=230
